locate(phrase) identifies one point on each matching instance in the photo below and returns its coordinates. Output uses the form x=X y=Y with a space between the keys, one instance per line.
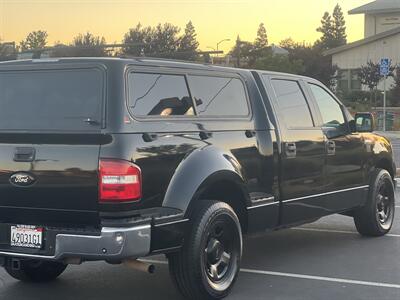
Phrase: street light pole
x=384 y=92
x=220 y=42
x=384 y=103
x=212 y=58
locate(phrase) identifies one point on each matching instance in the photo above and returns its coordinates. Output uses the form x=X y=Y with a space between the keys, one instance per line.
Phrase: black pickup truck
x=118 y=159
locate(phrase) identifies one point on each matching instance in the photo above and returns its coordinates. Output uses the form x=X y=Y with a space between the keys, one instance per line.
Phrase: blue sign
x=385 y=67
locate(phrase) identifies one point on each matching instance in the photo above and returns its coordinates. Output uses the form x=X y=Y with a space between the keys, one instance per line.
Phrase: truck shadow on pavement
x=314 y=253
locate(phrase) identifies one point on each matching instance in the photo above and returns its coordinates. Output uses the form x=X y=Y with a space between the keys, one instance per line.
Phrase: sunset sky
x=214 y=20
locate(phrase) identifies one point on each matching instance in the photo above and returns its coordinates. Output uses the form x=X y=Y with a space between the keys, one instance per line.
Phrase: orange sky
x=214 y=19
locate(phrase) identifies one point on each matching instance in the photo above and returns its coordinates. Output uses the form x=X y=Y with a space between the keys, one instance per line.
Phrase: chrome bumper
x=112 y=244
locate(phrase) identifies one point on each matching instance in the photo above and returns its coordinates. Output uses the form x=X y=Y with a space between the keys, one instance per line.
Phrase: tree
x=88 y=45
x=333 y=29
x=166 y=41
x=261 y=41
x=279 y=63
x=316 y=65
x=339 y=27
x=188 y=43
x=242 y=52
x=370 y=76
x=141 y=39
x=395 y=91
x=34 y=40
x=161 y=41
x=326 y=28
x=288 y=44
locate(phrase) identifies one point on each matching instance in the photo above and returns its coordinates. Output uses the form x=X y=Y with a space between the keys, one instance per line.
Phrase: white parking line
x=322 y=278
x=336 y=231
x=301 y=276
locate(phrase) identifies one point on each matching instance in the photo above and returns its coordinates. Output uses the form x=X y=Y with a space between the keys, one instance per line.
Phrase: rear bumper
x=113 y=244
x=150 y=231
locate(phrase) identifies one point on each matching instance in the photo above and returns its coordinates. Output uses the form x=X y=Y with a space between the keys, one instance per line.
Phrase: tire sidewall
x=201 y=225
x=381 y=177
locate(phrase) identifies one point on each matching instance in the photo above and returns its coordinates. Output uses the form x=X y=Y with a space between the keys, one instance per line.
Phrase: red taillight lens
x=120 y=181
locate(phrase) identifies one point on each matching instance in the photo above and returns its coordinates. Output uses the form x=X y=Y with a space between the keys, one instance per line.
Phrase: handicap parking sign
x=384 y=67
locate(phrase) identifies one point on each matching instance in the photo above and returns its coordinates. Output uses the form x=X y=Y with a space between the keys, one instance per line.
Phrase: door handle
x=290 y=150
x=24 y=154
x=250 y=133
x=330 y=147
x=204 y=135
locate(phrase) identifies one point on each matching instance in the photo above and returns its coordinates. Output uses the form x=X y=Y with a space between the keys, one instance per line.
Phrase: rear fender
x=202 y=168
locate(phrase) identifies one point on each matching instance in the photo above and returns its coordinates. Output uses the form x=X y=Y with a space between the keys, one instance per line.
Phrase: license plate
x=26 y=236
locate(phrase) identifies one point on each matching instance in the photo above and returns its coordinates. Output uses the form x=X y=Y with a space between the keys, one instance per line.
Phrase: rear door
x=302 y=150
x=50 y=134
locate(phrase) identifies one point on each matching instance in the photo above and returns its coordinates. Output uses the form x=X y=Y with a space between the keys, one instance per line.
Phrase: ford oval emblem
x=22 y=179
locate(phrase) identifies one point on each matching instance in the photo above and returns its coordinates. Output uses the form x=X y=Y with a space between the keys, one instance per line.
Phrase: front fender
x=382 y=153
x=202 y=166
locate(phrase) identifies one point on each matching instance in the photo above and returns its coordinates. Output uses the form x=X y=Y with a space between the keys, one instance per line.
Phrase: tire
x=207 y=266
x=36 y=271
x=376 y=217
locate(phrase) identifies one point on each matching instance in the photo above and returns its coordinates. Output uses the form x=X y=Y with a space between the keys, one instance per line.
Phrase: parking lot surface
x=323 y=260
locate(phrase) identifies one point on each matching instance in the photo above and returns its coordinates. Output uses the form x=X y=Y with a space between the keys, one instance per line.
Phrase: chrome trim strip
x=262 y=205
x=311 y=196
x=170 y=223
x=23 y=255
x=272 y=198
x=327 y=193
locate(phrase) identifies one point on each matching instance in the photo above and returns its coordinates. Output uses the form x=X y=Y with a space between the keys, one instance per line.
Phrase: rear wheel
x=208 y=264
x=36 y=270
x=376 y=217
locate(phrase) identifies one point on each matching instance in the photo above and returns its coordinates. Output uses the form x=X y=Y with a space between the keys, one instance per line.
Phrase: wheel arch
x=386 y=164
x=225 y=187
x=209 y=174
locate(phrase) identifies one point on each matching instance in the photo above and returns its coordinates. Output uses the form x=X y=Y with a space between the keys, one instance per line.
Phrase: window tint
x=51 y=99
x=332 y=114
x=159 y=95
x=292 y=103
x=217 y=96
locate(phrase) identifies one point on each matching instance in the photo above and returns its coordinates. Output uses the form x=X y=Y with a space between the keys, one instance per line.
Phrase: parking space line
x=336 y=231
x=301 y=276
x=322 y=278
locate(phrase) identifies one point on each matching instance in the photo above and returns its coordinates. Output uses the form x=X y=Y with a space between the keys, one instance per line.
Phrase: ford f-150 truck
x=118 y=159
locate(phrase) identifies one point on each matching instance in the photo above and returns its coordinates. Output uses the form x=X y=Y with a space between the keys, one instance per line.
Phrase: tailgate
x=50 y=134
x=58 y=186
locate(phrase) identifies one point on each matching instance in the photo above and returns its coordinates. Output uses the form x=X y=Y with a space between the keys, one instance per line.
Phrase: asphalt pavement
x=323 y=260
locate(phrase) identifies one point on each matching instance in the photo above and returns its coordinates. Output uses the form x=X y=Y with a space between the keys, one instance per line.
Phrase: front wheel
x=36 y=270
x=208 y=264
x=376 y=217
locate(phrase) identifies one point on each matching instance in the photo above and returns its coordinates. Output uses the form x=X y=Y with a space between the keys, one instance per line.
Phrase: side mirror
x=364 y=122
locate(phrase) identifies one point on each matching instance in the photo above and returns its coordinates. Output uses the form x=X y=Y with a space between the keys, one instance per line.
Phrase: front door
x=345 y=153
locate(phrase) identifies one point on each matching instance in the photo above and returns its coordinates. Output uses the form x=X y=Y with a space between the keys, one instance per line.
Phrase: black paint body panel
x=183 y=158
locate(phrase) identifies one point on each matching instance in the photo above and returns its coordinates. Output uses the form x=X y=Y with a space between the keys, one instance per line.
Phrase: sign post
x=384 y=70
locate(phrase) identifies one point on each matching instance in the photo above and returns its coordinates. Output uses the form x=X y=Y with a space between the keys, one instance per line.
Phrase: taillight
x=120 y=181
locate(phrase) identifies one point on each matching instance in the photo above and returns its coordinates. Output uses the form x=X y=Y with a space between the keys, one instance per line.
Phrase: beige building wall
x=375 y=24
x=356 y=57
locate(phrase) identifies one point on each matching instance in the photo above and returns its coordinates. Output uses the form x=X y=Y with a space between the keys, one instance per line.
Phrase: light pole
x=220 y=42
x=384 y=92
x=212 y=58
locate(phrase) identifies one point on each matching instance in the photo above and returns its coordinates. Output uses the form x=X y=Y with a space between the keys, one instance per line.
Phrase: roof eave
x=358 y=11
x=363 y=41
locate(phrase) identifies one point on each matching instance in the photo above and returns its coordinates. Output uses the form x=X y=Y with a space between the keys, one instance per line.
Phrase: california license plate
x=26 y=236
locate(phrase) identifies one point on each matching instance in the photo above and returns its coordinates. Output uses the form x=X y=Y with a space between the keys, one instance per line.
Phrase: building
x=381 y=40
